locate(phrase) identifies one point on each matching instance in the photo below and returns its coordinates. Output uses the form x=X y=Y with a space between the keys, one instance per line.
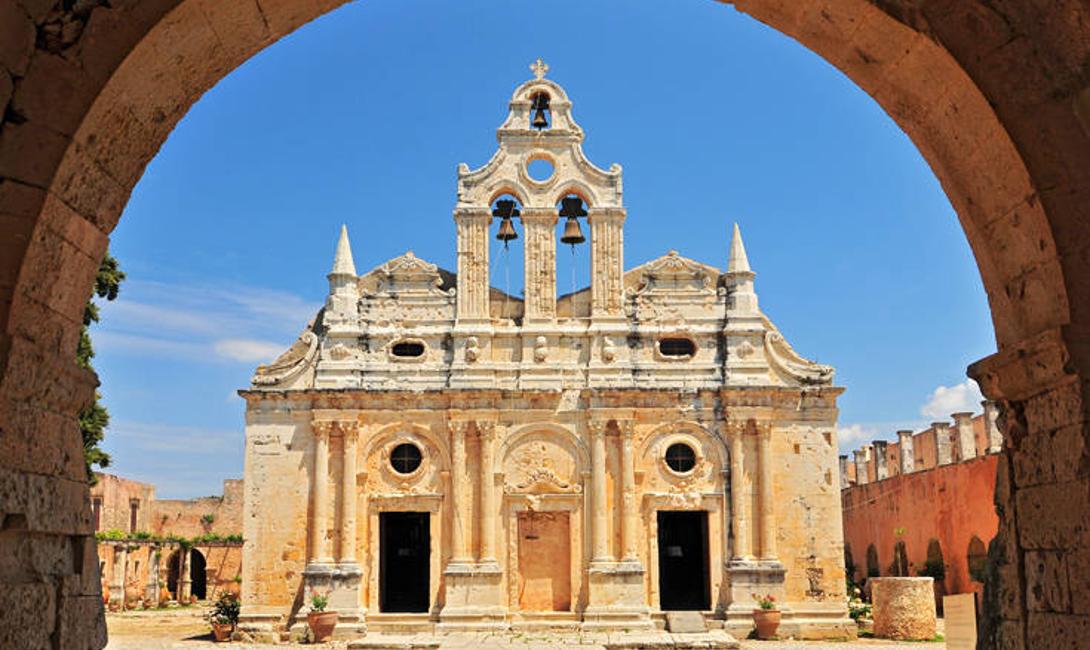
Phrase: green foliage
x=208 y=518
x=94 y=418
x=933 y=569
x=225 y=610
x=858 y=608
x=768 y=601
x=318 y=601
x=115 y=535
x=112 y=535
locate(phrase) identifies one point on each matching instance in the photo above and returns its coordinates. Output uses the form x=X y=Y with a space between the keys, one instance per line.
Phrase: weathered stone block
x=1053 y=516
x=1057 y=631
x=904 y=608
x=1046 y=582
x=29 y=615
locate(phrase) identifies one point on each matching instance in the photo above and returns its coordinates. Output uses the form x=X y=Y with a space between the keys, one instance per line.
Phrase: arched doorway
x=900 y=560
x=173 y=571
x=1010 y=81
x=198 y=575
x=977 y=560
x=874 y=568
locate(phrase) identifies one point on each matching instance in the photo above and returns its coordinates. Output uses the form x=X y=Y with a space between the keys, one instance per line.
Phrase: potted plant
x=320 y=622
x=224 y=616
x=766 y=617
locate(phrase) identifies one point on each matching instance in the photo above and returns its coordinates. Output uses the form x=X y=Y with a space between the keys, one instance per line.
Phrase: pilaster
x=473 y=282
x=607 y=262
x=908 y=451
x=539 y=225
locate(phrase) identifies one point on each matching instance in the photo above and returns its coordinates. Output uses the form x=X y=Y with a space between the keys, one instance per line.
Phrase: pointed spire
x=342 y=263
x=738 y=263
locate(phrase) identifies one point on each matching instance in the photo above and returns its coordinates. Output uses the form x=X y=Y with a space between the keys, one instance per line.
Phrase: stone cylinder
x=904 y=608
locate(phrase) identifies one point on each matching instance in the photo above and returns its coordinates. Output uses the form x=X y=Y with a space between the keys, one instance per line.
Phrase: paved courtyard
x=185 y=629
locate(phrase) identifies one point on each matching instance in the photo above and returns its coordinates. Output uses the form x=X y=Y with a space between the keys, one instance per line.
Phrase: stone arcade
x=438 y=455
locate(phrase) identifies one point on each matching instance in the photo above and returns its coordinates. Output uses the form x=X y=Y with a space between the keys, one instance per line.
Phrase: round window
x=680 y=457
x=405 y=458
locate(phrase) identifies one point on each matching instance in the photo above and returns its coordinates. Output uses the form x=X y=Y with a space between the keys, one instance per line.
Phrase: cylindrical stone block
x=904 y=608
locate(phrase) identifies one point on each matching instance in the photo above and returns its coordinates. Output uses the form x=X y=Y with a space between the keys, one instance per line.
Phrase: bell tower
x=540 y=126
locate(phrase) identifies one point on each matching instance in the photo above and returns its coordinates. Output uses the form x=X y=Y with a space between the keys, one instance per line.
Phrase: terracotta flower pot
x=321 y=625
x=222 y=631
x=767 y=621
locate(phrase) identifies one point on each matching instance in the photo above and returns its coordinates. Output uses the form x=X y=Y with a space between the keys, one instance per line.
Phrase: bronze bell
x=505 y=209
x=573 y=234
x=507 y=231
x=541 y=104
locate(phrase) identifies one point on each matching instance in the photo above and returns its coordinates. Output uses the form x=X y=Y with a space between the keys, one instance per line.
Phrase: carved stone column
x=862 y=473
x=540 y=263
x=607 y=261
x=766 y=482
x=599 y=510
x=965 y=436
x=473 y=282
x=458 y=546
x=991 y=427
x=630 y=515
x=881 y=468
x=185 y=581
x=319 y=543
x=739 y=504
x=487 y=433
x=348 y=493
x=152 y=590
x=944 y=446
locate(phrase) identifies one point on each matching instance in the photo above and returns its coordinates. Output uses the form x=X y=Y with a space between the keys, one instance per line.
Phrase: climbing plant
x=94 y=418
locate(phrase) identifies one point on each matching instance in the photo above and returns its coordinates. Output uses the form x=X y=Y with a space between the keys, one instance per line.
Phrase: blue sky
x=363 y=116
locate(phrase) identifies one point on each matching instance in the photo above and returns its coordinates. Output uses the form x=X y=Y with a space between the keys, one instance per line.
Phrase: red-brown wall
x=950 y=503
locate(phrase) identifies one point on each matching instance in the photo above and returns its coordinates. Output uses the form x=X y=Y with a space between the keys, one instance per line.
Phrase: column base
x=474 y=600
x=748 y=577
x=616 y=597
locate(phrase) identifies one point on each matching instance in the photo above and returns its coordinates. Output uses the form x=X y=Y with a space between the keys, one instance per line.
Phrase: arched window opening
x=507 y=264
x=572 y=209
x=977 y=559
x=849 y=562
x=173 y=568
x=874 y=569
x=900 y=560
x=541 y=116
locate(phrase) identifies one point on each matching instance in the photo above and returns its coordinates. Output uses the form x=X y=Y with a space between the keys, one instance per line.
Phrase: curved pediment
x=672 y=274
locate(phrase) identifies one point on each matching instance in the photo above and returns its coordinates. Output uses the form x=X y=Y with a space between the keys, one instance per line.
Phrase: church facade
x=435 y=454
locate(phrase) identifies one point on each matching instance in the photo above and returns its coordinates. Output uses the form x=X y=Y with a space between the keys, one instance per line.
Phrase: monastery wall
x=220 y=515
x=928 y=518
x=114 y=497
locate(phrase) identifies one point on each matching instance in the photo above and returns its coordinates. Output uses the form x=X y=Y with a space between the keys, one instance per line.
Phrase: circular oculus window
x=405 y=458
x=680 y=457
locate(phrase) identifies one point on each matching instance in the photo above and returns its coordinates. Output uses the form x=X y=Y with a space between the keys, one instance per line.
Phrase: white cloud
x=854 y=435
x=201 y=323
x=945 y=400
x=248 y=349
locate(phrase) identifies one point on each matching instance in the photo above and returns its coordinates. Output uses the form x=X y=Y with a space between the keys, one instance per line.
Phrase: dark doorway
x=172 y=573
x=404 y=558
x=198 y=575
x=683 y=560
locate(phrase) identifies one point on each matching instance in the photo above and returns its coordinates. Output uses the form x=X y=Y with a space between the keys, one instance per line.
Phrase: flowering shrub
x=768 y=601
x=858 y=608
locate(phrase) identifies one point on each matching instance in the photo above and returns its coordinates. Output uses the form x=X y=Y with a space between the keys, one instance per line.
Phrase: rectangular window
x=134 y=509
x=96 y=512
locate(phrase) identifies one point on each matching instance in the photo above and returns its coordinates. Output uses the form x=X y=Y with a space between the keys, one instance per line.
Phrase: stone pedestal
x=616 y=598
x=474 y=599
x=342 y=583
x=748 y=577
x=904 y=608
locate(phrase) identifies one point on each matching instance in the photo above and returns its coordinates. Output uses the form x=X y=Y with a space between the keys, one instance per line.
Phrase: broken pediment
x=675 y=275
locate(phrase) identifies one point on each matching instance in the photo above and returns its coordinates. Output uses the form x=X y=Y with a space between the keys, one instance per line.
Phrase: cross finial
x=539 y=68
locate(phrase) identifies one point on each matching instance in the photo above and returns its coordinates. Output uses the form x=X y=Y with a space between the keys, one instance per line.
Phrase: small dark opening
x=405 y=458
x=680 y=457
x=683 y=561
x=404 y=553
x=677 y=347
x=408 y=349
x=198 y=576
x=541 y=115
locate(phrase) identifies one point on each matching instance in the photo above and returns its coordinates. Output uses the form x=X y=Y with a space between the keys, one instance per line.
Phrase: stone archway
x=996 y=97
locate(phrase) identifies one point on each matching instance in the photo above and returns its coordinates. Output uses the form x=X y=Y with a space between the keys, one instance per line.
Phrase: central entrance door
x=404 y=561
x=683 y=560
x=544 y=562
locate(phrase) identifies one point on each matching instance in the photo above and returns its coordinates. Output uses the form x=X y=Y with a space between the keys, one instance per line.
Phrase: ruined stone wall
x=221 y=515
x=117 y=496
x=950 y=503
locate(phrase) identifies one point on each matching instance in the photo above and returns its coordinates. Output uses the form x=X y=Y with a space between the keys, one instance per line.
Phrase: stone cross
x=539 y=68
